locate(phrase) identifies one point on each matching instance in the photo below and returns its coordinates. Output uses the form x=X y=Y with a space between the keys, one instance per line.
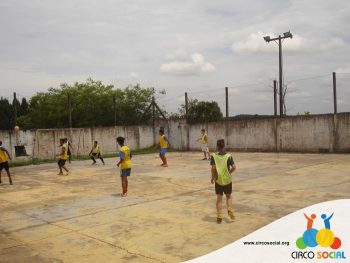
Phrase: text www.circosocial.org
x=266 y=243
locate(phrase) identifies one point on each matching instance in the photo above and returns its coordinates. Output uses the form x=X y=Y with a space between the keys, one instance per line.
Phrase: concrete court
x=169 y=214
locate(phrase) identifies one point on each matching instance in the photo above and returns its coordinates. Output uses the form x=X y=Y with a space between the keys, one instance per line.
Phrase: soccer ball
x=16 y=128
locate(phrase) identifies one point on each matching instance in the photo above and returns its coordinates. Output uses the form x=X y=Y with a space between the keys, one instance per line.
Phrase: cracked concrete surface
x=169 y=214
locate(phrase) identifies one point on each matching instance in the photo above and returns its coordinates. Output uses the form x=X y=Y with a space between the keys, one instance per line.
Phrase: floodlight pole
x=275 y=98
x=226 y=102
x=15 y=108
x=335 y=93
x=280 y=67
x=280 y=70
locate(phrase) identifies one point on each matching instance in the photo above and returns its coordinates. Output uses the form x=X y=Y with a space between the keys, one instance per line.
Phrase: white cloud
x=253 y=43
x=190 y=65
x=256 y=43
x=120 y=43
x=332 y=44
x=134 y=75
x=343 y=70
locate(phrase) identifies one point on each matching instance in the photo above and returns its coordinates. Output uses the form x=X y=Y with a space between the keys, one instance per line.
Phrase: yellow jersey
x=162 y=142
x=96 y=149
x=64 y=152
x=204 y=138
x=3 y=155
x=125 y=155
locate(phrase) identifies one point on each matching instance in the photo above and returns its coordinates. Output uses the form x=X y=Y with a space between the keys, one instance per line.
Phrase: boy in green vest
x=222 y=166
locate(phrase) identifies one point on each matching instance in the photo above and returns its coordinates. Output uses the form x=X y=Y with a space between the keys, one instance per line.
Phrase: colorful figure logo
x=323 y=237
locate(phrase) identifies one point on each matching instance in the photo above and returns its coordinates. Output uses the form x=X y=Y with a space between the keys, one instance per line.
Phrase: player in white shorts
x=204 y=141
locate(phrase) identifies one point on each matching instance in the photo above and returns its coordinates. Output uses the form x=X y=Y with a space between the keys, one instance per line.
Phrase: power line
x=170 y=98
x=307 y=78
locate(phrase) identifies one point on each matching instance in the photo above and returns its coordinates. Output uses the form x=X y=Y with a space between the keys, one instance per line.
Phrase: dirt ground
x=169 y=214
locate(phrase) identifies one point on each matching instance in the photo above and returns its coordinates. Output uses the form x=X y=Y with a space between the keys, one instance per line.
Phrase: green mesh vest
x=223 y=174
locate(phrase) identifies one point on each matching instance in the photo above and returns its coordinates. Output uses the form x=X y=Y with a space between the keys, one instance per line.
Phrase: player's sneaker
x=218 y=220
x=60 y=173
x=231 y=215
x=67 y=173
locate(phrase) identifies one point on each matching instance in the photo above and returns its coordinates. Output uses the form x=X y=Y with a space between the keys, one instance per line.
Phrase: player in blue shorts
x=163 y=145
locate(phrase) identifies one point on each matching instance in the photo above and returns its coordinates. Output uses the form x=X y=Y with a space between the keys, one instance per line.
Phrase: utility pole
x=186 y=105
x=226 y=100
x=154 y=120
x=187 y=124
x=275 y=98
x=115 y=110
x=335 y=93
x=15 y=108
x=279 y=38
x=280 y=77
x=69 y=99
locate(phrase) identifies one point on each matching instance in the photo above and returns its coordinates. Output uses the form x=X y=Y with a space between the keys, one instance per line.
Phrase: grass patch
x=37 y=161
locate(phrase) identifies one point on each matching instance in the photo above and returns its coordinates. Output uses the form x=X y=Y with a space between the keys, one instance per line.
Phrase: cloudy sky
x=194 y=46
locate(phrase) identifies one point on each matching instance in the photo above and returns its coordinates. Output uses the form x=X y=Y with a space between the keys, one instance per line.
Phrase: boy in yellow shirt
x=222 y=166
x=204 y=141
x=163 y=145
x=63 y=156
x=124 y=164
x=4 y=157
x=96 y=152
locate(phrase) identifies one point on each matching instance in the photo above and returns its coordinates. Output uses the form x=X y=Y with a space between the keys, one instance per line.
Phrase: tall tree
x=201 y=111
x=92 y=105
x=6 y=114
x=24 y=108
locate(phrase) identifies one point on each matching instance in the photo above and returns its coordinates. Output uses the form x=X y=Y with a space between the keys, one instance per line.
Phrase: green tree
x=24 y=108
x=6 y=114
x=201 y=111
x=131 y=104
x=92 y=105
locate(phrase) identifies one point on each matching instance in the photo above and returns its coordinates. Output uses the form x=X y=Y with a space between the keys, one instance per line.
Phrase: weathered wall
x=342 y=135
x=43 y=144
x=307 y=133
x=314 y=133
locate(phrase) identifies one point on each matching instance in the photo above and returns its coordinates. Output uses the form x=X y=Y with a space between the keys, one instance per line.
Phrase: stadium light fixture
x=287 y=34
x=278 y=40
x=267 y=39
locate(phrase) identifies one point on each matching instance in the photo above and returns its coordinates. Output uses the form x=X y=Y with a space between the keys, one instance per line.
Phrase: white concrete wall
x=43 y=143
x=343 y=133
x=315 y=133
x=307 y=133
